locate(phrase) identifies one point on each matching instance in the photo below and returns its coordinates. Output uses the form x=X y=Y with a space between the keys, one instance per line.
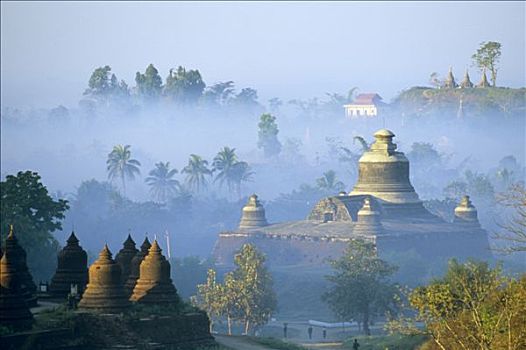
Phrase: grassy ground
x=275 y=343
x=389 y=342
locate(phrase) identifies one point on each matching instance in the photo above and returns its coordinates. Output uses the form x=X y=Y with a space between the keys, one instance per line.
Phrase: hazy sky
x=289 y=50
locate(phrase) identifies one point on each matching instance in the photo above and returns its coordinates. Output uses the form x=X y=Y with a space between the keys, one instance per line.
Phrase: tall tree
x=329 y=182
x=161 y=182
x=184 y=87
x=210 y=298
x=149 y=84
x=487 y=57
x=104 y=87
x=219 y=94
x=196 y=172
x=120 y=165
x=268 y=135
x=99 y=82
x=26 y=204
x=241 y=172
x=360 y=288
x=473 y=307
x=513 y=232
x=223 y=164
x=246 y=100
x=257 y=300
x=230 y=171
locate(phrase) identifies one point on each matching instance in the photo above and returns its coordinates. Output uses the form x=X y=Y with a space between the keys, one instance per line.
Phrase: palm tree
x=241 y=173
x=161 y=182
x=329 y=183
x=195 y=171
x=224 y=163
x=119 y=165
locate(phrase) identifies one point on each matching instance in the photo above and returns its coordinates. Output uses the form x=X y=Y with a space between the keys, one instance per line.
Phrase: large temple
x=382 y=207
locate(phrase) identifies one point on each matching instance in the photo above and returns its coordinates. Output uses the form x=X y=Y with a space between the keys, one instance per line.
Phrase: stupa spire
x=154 y=285
x=125 y=256
x=14 y=310
x=466 y=82
x=483 y=80
x=18 y=258
x=104 y=291
x=135 y=264
x=450 y=82
x=72 y=268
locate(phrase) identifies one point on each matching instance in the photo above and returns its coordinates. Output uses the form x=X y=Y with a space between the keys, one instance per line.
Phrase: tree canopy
x=184 y=86
x=268 y=135
x=246 y=295
x=149 y=83
x=473 y=307
x=161 y=182
x=26 y=204
x=120 y=165
x=360 y=289
x=487 y=58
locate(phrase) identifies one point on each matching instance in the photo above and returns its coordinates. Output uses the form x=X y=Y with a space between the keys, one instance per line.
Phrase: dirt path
x=239 y=343
x=323 y=346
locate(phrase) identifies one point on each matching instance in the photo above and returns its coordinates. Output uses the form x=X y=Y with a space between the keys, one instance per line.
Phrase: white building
x=364 y=105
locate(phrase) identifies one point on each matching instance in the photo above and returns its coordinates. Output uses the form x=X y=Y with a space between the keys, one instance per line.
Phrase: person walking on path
x=324 y=333
x=285 y=329
x=309 y=330
x=355 y=345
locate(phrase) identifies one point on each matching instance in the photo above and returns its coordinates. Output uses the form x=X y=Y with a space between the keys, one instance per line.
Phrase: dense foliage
x=360 y=289
x=26 y=204
x=246 y=295
x=473 y=307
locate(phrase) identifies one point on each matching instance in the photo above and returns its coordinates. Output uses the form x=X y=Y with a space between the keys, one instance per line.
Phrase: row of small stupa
x=450 y=82
x=141 y=276
x=368 y=219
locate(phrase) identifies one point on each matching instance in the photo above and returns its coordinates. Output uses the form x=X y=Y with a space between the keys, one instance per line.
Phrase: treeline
x=182 y=87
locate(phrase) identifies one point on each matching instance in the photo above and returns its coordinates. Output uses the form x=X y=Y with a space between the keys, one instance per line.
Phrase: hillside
x=477 y=102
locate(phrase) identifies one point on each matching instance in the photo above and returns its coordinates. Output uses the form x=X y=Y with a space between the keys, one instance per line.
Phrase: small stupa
x=14 y=310
x=450 y=82
x=17 y=257
x=104 y=292
x=253 y=214
x=125 y=256
x=72 y=269
x=466 y=213
x=154 y=285
x=368 y=222
x=484 y=83
x=466 y=82
x=135 y=266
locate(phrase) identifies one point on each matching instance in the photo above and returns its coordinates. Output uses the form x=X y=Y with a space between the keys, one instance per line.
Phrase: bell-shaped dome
x=125 y=256
x=135 y=266
x=14 y=310
x=154 y=285
x=466 y=212
x=368 y=222
x=72 y=268
x=105 y=292
x=384 y=172
x=17 y=257
x=253 y=214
